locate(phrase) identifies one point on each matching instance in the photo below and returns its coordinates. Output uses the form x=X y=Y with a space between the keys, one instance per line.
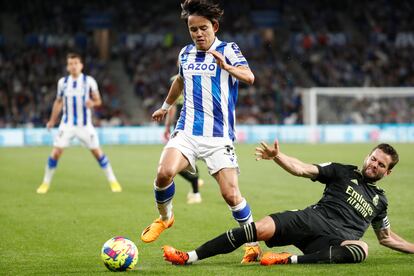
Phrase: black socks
x=228 y=242
x=350 y=253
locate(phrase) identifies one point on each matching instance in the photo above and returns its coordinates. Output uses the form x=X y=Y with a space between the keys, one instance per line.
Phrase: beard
x=370 y=179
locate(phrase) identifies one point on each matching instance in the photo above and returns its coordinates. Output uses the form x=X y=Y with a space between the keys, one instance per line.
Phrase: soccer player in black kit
x=327 y=232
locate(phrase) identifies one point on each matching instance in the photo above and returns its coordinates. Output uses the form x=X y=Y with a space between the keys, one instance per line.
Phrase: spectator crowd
x=288 y=44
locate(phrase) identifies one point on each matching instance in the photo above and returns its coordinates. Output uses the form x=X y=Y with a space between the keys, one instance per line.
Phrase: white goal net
x=357 y=105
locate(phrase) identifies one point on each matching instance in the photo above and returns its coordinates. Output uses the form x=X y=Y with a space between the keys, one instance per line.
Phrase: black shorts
x=304 y=229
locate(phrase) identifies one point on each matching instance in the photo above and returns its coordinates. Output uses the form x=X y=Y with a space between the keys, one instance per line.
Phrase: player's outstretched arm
x=175 y=91
x=242 y=73
x=290 y=164
x=391 y=240
x=57 y=107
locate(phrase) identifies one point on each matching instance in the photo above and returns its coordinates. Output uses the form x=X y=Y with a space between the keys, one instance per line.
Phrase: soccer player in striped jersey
x=77 y=94
x=209 y=73
x=326 y=232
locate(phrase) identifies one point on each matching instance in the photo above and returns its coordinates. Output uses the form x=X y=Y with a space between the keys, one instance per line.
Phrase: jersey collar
x=357 y=170
x=216 y=43
x=78 y=78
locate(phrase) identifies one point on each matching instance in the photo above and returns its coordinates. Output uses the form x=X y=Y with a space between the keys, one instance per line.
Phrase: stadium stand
x=287 y=43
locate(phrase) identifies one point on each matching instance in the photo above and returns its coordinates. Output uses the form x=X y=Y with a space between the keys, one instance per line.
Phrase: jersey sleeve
x=234 y=56
x=179 y=61
x=60 y=88
x=93 y=85
x=381 y=221
x=327 y=172
x=180 y=71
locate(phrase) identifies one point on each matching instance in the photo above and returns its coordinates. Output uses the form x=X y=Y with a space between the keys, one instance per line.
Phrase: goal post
x=333 y=105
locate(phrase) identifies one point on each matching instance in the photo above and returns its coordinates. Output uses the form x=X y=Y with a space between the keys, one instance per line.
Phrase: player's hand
x=89 y=104
x=221 y=61
x=50 y=125
x=167 y=133
x=159 y=115
x=266 y=152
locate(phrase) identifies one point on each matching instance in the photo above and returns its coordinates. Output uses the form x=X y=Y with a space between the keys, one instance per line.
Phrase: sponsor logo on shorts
x=230 y=152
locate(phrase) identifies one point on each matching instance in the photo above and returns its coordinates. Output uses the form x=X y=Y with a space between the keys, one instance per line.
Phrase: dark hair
x=74 y=55
x=203 y=8
x=389 y=150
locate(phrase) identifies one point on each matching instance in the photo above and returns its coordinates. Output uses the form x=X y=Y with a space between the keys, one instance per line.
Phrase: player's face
x=74 y=66
x=376 y=165
x=202 y=31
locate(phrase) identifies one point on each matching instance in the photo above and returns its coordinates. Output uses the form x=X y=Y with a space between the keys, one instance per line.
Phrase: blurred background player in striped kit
x=209 y=74
x=77 y=94
x=171 y=119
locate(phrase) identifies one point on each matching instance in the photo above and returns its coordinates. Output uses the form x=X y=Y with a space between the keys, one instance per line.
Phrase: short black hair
x=388 y=150
x=74 y=55
x=203 y=8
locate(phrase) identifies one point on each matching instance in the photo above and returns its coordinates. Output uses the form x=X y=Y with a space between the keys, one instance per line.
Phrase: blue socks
x=103 y=161
x=52 y=163
x=163 y=197
x=242 y=213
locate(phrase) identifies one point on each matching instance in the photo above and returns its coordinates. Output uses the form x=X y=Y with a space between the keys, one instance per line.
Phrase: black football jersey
x=350 y=203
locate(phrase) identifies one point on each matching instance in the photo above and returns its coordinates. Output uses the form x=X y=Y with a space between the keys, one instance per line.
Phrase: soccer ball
x=119 y=254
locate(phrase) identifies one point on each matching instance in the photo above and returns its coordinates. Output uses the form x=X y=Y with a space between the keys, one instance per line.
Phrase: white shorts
x=86 y=134
x=217 y=152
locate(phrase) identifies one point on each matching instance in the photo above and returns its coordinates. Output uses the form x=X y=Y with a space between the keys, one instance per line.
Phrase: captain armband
x=381 y=224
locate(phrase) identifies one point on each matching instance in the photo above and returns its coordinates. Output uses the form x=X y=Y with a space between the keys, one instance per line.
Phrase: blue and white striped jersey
x=210 y=93
x=75 y=93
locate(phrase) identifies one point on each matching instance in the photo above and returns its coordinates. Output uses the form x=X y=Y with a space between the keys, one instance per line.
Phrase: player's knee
x=232 y=197
x=165 y=175
x=56 y=153
x=98 y=153
x=265 y=228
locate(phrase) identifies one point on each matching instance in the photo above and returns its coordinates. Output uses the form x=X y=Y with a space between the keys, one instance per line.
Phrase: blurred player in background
x=326 y=232
x=171 y=119
x=209 y=72
x=77 y=94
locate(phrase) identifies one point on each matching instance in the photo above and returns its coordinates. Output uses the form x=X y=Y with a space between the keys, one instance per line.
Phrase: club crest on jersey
x=200 y=68
x=375 y=200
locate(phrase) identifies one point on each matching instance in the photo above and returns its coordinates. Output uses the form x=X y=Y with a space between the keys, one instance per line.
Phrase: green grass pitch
x=61 y=233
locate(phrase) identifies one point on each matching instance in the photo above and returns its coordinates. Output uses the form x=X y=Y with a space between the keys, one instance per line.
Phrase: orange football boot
x=174 y=256
x=154 y=230
x=251 y=254
x=270 y=258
